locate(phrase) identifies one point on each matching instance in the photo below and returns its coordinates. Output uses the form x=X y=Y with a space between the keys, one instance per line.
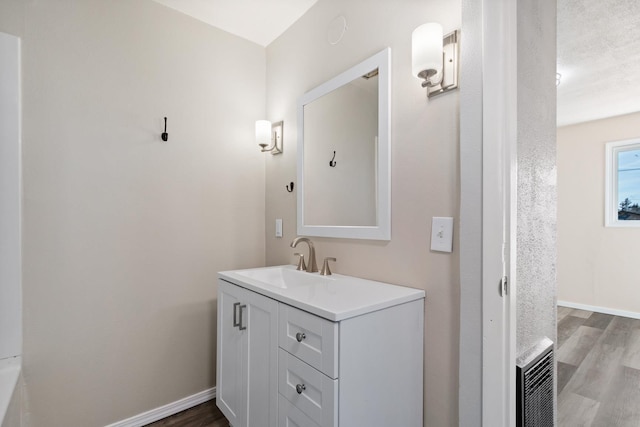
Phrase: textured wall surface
x=536 y=233
x=597 y=265
x=123 y=233
x=611 y=47
x=424 y=167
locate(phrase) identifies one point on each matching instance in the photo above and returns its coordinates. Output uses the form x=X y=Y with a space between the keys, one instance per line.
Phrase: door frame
x=488 y=143
x=10 y=196
x=499 y=211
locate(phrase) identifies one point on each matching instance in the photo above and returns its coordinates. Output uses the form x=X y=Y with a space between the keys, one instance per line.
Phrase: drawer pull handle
x=240 y=327
x=235 y=314
x=300 y=388
x=300 y=336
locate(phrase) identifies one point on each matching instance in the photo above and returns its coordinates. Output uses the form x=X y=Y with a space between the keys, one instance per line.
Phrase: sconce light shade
x=435 y=58
x=426 y=49
x=268 y=136
x=263 y=133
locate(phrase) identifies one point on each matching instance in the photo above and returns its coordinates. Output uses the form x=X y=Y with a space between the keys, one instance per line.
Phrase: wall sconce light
x=269 y=136
x=435 y=58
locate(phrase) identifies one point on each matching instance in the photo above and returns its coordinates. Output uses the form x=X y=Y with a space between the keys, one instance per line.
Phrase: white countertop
x=334 y=297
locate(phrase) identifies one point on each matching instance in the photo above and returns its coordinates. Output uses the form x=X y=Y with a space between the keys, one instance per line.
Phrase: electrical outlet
x=278 y=227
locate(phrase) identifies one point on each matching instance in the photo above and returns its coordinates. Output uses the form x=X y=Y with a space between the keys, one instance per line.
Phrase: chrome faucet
x=312 y=267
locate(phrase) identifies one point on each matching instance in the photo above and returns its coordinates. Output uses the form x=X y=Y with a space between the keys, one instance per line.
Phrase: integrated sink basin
x=283 y=277
x=336 y=297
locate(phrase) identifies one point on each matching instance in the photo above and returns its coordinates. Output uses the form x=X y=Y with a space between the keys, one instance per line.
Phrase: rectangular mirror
x=344 y=154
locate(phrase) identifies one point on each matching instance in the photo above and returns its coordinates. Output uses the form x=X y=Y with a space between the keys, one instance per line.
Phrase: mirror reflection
x=340 y=146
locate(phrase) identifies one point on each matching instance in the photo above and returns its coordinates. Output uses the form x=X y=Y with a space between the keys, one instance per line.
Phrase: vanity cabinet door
x=247 y=357
x=229 y=372
x=261 y=374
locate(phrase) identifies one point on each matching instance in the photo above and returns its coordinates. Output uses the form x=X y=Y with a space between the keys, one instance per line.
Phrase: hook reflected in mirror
x=332 y=162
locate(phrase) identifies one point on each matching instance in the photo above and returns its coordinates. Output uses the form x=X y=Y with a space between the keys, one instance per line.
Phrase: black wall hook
x=331 y=162
x=289 y=187
x=165 y=135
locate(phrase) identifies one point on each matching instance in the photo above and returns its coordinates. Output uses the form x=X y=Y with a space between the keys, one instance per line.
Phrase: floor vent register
x=534 y=388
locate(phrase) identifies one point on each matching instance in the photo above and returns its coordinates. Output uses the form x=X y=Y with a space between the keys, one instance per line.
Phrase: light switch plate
x=278 y=227
x=442 y=234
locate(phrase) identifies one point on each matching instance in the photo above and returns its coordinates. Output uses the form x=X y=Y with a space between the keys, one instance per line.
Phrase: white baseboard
x=605 y=310
x=167 y=410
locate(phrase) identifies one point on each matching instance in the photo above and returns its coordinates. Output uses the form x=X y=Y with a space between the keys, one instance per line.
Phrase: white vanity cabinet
x=247 y=362
x=332 y=352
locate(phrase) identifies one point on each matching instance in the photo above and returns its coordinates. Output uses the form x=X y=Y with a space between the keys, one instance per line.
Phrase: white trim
x=611 y=182
x=167 y=410
x=605 y=310
x=499 y=211
x=469 y=236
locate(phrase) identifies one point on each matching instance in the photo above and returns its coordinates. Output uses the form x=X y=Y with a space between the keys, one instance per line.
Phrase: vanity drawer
x=310 y=338
x=290 y=416
x=308 y=390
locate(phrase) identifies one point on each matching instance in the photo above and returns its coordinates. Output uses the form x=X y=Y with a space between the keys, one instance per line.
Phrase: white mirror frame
x=381 y=231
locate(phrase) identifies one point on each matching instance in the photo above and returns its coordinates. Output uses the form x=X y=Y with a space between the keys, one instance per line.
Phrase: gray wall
x=123 y=233
x=597 y=265
x=424 y=167
x=10 y=199
x=12 y=17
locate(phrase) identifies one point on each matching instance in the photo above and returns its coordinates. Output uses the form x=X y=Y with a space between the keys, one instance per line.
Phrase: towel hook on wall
x=290 y=187
x=165 y=135
x=332 y=163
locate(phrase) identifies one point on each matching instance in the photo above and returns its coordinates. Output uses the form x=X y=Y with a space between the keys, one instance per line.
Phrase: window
x=622 y=192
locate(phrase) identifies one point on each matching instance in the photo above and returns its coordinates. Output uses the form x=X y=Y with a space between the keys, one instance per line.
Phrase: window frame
x=611 y=182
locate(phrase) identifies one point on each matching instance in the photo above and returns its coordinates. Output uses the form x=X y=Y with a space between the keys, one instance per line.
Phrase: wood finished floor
x=598 y=359
x=203 y=415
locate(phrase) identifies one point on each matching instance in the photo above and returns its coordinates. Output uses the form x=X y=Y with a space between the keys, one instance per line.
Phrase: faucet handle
x=301 y=265
x=326 y=271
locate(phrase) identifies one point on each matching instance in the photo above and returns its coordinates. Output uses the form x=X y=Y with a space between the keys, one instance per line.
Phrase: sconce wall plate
x=276 y=134
x=450 y=66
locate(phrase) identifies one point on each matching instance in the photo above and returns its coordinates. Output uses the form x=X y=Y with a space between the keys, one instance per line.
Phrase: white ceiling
x=598 y=46
x=260 y=21
x=599 y=59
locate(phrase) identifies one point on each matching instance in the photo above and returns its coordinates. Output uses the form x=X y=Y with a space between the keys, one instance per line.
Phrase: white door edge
x=499 y=175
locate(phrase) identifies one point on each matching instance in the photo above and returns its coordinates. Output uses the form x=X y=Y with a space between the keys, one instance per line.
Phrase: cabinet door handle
x=300 y=388
x=300 y=336
x=235 y=315
x=242 y=328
